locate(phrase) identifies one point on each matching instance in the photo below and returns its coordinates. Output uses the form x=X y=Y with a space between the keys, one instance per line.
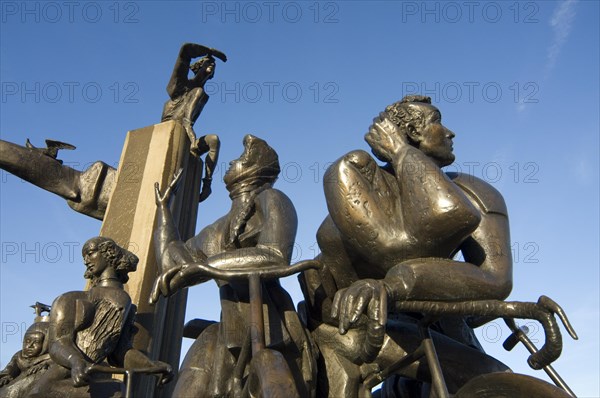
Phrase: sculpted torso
x=402 y=223
x=397 y=227
x=105 y=322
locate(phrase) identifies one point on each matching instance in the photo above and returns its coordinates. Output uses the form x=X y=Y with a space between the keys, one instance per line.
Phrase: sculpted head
x=205 y=65
x=100 y=254
x=421 y=122
x=256 y=167
x=34 y=341
x=249 y=175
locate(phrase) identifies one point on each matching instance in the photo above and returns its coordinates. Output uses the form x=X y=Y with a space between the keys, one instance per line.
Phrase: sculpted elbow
x=503 y=289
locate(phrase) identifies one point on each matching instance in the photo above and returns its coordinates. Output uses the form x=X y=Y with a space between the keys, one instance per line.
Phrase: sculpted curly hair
x=402 y=114
x=122 y=260
x=399 y=115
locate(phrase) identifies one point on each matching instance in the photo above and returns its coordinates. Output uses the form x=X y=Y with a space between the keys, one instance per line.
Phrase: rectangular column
x=153 y=154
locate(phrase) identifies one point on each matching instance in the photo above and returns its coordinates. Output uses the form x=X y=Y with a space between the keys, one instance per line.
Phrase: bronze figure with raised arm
x=257 y=233
x=391 y=236
x=187 y=99
x=89 y=191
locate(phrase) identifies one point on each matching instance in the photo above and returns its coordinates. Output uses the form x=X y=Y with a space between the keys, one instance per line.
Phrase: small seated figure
x=187 y=96
x=187 y=99
x=27 y=365
x=93 y=326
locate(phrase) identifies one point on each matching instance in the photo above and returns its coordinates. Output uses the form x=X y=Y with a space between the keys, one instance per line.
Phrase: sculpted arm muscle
x=182 y=64
x=358 y=200
x=431 y=203
x=485 y=274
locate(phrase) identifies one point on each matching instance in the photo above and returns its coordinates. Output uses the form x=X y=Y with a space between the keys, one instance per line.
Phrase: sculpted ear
x=412 y=133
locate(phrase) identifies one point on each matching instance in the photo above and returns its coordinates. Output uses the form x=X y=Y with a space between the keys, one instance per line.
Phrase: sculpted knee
x=358 y=159
x=359 y=163
x=212 y=140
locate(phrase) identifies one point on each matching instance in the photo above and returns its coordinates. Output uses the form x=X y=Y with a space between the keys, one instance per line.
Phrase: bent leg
x=207 y=367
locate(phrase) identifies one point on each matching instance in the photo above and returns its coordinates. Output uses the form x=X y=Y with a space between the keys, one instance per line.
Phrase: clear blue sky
x=516 y=81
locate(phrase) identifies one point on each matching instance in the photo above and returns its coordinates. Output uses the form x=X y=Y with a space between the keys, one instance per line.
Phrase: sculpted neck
x=108 y=279
x=241 y=199
x=109 y=282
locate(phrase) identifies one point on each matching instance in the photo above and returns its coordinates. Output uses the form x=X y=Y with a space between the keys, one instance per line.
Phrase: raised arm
x=430 y=203
x=179 y=77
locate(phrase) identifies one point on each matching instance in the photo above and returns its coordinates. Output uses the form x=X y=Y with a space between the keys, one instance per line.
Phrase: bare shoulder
x=488 y=198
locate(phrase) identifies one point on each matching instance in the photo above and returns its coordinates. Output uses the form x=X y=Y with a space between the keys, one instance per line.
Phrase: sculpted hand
x=218 y=54
x=4 y=380
x=163 y=284
x=385 y=138
x=36 y=368
x=367 y=296
x=167 y=372
x=163 y=199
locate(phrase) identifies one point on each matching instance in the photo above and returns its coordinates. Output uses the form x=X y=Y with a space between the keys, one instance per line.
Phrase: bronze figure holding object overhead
x=187 y=99
x=89 y=191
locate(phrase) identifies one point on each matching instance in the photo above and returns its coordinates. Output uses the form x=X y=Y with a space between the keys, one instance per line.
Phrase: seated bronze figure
x=87 y=328
x=27 y=365
x=387 y=250
x=256 y=235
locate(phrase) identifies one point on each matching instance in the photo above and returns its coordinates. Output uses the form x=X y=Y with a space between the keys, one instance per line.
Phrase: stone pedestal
x=153 y=154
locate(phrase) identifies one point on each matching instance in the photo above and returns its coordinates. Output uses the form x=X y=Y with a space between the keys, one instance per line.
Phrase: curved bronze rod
x=265 y=272
x=543 y=311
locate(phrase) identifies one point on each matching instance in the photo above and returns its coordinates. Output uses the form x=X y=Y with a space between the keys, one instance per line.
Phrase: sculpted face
x=257 y=166
x=94 y=260
x=205 y=66
x=33 y=344
x=433 y=138
x=237 y=166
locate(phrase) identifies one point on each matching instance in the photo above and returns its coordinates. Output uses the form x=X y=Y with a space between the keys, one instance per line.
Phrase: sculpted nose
x=248 y=139
x=450 y=134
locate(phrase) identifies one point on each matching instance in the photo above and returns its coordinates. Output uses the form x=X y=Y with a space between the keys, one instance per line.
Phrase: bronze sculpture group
x=385 y=300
